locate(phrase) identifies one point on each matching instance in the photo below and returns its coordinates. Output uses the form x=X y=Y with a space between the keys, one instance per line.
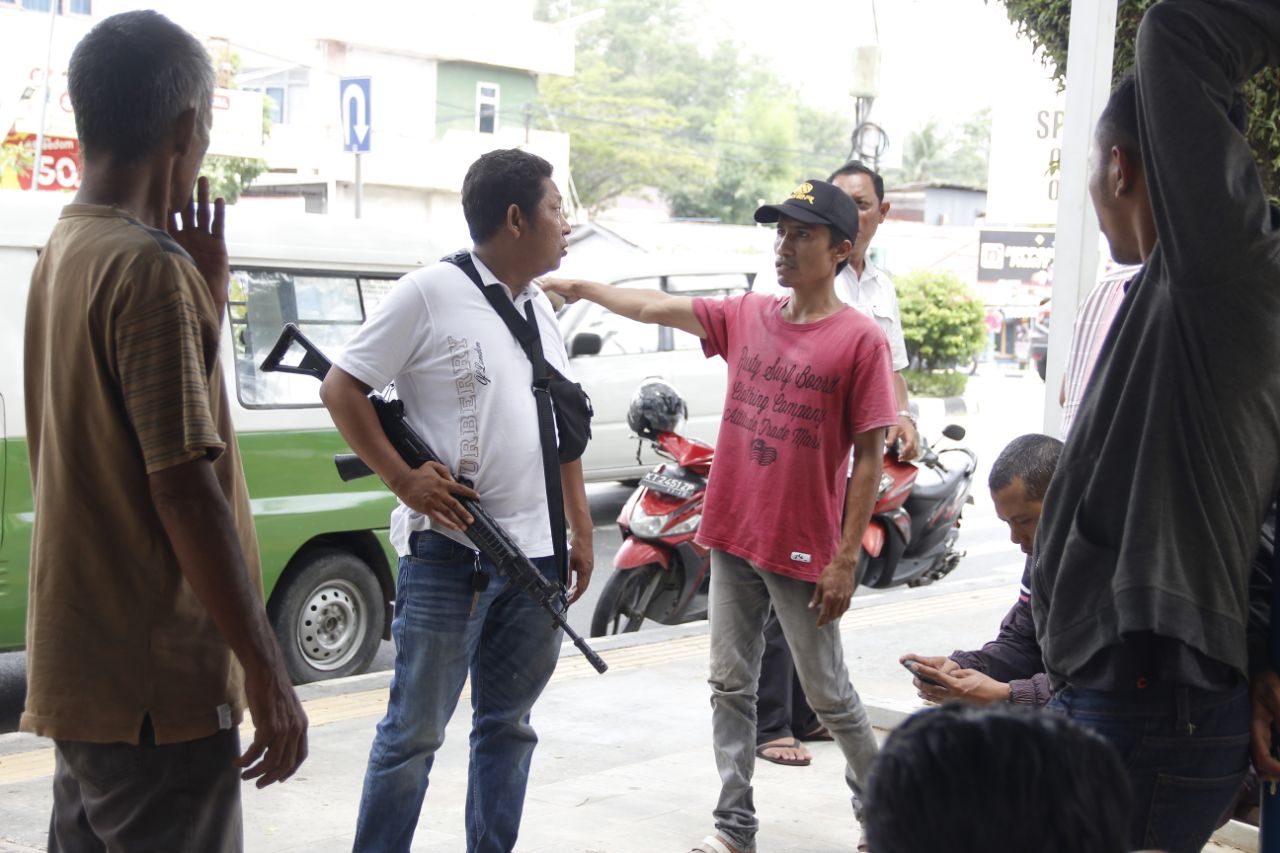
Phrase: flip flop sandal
x=762 y=752
x=820 y=733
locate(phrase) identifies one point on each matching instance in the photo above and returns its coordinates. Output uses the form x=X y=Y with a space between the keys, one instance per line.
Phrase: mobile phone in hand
x=907 y=665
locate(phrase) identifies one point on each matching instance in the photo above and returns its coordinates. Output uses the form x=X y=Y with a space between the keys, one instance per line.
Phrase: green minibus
x=328 y=569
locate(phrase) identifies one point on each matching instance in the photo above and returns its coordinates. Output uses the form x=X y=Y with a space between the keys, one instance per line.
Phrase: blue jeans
x=508 y=646
x=1186 y=751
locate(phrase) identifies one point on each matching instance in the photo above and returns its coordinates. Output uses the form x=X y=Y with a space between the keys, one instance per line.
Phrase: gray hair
x=1030 y=458
x=130 y=78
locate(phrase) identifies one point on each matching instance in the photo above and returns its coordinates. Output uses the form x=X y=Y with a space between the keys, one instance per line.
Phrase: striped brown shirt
x=122 y=379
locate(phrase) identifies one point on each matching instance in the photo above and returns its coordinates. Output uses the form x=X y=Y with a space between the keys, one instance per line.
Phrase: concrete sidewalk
x=624 y=764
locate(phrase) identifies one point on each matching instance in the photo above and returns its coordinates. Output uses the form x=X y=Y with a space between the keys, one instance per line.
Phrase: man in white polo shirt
x=466 y=385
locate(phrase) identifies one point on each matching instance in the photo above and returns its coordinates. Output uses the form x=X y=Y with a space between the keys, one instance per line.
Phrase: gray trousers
x=119 y=797
x=740 y=597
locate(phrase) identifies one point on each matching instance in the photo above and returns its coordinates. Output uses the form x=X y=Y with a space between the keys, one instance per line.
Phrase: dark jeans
x=116 y=796
x=1186 y=751
x=781 y=709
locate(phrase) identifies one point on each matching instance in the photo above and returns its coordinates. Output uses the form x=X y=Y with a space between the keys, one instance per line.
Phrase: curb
x=940 y=409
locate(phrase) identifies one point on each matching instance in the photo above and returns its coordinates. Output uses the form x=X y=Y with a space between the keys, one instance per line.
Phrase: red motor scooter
x=914 y=526
x=660 y=573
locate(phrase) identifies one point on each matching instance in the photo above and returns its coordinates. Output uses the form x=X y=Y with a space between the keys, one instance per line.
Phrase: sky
x=939 y=58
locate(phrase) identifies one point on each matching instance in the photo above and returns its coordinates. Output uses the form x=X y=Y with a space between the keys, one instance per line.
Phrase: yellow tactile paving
x=26 y=765
x=23 y=766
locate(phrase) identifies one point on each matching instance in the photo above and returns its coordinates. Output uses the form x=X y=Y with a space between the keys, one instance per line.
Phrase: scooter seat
x=934 y=492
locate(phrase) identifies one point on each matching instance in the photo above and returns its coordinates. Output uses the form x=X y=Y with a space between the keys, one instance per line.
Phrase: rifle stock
x=484 y=531
x=351 y=467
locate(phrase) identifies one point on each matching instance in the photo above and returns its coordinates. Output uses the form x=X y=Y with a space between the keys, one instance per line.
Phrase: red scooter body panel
x=904 y=476
x=873 y=538
x=688 y=452
x=637 y=552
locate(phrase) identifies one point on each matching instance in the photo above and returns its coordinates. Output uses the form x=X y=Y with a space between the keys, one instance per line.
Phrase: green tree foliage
x=955 y=155
x=1048 y=22
x=942 y=321
x=656 y=103
x=228 y=176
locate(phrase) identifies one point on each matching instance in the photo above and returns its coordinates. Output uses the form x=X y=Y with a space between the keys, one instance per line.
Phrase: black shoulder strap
x=505 y=308
x=525 y=332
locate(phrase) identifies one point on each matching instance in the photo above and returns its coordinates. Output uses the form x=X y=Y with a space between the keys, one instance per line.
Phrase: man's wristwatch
x=906 y=413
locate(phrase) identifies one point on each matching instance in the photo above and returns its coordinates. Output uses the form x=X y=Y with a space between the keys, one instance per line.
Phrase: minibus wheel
x=328 y=615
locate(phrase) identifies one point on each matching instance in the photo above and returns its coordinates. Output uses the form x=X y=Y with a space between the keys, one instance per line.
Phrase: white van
x=611 y=355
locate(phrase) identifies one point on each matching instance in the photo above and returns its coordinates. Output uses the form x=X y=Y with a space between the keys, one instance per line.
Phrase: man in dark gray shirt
x=1140 y=570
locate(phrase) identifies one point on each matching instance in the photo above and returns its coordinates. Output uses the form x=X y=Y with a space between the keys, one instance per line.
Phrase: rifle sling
x=526 y=333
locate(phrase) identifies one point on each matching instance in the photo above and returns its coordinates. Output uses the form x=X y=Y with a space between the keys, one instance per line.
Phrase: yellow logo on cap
x=804 y=192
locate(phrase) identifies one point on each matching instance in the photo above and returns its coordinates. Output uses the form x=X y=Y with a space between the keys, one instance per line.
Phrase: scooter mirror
x=955 y=432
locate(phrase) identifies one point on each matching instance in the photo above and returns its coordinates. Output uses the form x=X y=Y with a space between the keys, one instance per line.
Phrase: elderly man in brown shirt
x=146 y=632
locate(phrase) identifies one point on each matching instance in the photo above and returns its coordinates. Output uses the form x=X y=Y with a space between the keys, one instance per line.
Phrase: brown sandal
x=763 y=749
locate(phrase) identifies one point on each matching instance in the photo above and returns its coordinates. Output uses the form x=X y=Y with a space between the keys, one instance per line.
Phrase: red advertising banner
x=59 y=164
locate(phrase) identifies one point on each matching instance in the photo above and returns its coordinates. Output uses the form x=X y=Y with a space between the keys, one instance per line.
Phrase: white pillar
x=1075 y=265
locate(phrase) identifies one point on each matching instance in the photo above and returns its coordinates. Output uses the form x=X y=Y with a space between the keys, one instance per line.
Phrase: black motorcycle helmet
x=656 y=407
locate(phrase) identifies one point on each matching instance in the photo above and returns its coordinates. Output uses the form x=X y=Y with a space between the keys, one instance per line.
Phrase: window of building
x=275 y=101
x=487 y=107
x=65 y=7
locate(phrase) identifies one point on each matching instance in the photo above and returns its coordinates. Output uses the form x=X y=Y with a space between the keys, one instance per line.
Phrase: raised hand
x=202 y=232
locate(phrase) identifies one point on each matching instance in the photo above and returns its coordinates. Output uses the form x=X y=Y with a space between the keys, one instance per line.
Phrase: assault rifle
x=484 y=532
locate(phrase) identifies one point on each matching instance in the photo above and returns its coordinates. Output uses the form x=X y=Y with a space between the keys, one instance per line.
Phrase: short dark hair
x=836 y=237
x=496 y=181
x=997 y=780
x=130 y=78
x=857 y=167
x=1118 y=124
x=1030 y=458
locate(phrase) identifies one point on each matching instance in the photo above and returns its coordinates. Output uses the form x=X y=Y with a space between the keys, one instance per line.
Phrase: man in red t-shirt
x=809 y=379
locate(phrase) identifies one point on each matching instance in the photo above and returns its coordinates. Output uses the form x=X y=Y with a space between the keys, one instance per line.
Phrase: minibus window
x=327 y=308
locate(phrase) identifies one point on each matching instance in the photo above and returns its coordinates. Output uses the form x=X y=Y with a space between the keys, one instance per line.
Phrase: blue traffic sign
x=357 y=113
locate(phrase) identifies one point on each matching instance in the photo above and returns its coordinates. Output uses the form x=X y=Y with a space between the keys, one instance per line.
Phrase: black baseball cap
x=819 y=203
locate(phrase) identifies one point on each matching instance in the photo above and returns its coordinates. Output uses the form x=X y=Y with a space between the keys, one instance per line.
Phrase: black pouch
x=573 y=415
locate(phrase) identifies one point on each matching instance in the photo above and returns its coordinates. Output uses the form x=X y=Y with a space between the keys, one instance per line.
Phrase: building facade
x=444 y=85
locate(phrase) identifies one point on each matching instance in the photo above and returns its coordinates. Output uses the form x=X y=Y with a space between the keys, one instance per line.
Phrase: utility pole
x=868 y=140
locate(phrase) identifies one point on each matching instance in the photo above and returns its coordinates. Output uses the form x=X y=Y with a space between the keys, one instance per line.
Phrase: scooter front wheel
x=620 y=608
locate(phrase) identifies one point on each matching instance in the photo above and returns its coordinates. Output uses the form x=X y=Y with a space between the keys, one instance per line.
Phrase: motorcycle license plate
x=668 y=485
